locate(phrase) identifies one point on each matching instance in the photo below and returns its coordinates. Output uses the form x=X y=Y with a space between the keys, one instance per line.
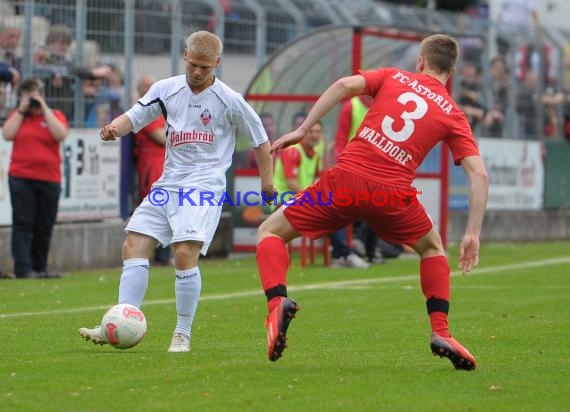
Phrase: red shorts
x=340 y=198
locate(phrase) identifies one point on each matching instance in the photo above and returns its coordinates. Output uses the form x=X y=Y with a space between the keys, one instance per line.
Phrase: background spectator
x=297 y=167
x=529 y=98
x=34 y=178
x=517 y=15
x=9 y=42
x=53 y=64
x=10 y=75
x=106 y=97
x=553 y=101
x=471 y=45
x=499 y=84
x=469 y=96
x=351 y=114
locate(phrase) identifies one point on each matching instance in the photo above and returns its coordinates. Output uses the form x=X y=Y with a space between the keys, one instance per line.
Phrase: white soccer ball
x=124 y=326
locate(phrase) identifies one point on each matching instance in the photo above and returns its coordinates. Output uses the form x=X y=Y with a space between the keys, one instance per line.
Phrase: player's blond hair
x=440 y=52
x=204 y=44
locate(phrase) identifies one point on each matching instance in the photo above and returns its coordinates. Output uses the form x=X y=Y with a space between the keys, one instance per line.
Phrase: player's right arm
x=344 y=87
x=478 y=192
x=120 y=126
x=147 y=109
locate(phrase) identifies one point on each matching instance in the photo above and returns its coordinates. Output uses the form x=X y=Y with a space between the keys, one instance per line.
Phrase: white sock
x=134 y=281
x=187 y=288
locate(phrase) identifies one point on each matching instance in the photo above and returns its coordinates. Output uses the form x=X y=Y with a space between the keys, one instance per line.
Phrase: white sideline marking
x=315 y=286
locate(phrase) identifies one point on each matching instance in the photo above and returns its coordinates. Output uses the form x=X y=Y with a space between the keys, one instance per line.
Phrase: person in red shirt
x=149 y=145
x=34 y=178
x=149 y=157
x=372 y=180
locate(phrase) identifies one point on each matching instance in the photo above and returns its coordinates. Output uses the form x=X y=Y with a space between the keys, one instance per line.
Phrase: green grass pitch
x=359 y=343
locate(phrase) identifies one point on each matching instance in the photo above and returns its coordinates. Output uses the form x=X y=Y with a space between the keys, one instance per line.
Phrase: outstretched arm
x=478 y=192
x=120 y=126
x=344 y=87
x=265 y=166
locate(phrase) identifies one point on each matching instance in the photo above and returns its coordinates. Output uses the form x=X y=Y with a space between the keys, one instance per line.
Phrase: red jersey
x=410 y=114
x=36 y=154
x=345 y=124
x=144 y=145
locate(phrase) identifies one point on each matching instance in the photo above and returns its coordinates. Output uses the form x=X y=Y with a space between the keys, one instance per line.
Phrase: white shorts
x=171 y=222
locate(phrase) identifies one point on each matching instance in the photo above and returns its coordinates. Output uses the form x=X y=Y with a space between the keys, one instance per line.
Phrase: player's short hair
x=440 y=51
x=204 y=44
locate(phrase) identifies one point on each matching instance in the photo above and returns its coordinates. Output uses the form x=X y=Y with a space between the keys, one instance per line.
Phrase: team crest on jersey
x=205 y=117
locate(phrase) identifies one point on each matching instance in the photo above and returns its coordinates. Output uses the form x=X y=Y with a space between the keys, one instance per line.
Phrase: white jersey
x=201 y=131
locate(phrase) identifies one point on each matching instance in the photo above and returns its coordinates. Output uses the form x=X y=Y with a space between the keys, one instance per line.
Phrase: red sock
x=272 y=263
x=434 y=279
x=439 y=324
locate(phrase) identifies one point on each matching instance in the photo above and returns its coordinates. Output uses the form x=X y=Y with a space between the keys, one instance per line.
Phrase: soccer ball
x=124 y=326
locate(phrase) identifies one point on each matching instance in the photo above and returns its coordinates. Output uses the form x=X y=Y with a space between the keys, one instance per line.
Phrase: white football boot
x=96 y=335
x=179 y=343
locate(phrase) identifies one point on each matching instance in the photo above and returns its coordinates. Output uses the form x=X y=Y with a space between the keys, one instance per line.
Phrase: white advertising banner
x=516 y=174
x=429 y=189
x=90 y=185
x=91 y=176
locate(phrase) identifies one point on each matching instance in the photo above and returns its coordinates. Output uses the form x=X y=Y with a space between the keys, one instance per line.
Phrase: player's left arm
x=265 y=167
x=478 y=193
x=248 y=124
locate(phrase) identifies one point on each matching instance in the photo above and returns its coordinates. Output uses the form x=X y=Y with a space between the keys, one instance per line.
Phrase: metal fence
x=91 y=77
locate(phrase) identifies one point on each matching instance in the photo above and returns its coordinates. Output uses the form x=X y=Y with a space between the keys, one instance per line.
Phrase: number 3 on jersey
x=408 y=118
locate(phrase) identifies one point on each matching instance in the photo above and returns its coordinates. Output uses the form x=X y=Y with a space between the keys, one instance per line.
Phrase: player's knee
x=430 y=244
x=262 y=233
x=129 y=246
x=138 y=246
x=186 y=255
x=263 y=229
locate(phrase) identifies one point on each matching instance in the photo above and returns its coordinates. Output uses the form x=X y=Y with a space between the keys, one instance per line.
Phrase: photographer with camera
x=34 y=177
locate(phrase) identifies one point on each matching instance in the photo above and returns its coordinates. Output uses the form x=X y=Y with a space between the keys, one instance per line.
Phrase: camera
x=34 y=104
